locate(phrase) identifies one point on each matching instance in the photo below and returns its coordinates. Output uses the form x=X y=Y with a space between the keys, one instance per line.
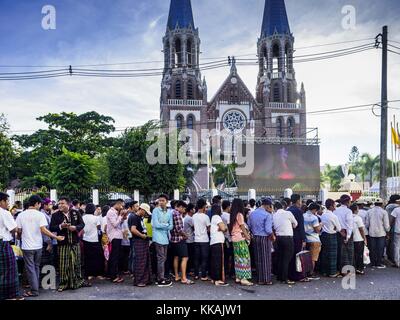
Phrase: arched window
x=291 y=124
x=178 y=53
x=289 y=93
x=167 y=54
x=288 y=58
x=190 y=122
x=277 y=92
x=179 y=122
x=178 y=89
x=276 y=58
x=265 y=58
x=189 y=52
x=279 y=127
x=190 y=94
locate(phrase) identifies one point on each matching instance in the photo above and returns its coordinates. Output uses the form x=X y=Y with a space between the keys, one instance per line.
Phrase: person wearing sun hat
x=141 y=243
x=378 y=226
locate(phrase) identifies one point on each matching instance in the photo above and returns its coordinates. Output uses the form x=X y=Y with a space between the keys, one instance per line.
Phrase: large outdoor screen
x=277 y=167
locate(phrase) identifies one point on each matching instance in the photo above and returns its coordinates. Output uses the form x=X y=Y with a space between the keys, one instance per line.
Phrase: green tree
x=86 y=133
x=334 y=175
x=129 y=169
x=6 y=153
x=369 y=166
x=72 y=172
x=225 y=174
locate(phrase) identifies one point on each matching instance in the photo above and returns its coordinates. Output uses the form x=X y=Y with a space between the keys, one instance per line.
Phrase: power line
x=327 y=111
x=395 y=52
x=333 y=43
x=393 y=46
x=134 y=73
x=161 y=61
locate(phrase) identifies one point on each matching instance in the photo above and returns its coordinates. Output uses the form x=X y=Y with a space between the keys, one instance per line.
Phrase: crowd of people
x=175 y=241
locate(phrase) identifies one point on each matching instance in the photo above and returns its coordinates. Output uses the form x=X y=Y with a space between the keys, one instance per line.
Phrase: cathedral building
x=273 y=113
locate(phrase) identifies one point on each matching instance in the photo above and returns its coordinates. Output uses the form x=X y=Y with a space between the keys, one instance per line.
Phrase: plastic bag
x=367 y=259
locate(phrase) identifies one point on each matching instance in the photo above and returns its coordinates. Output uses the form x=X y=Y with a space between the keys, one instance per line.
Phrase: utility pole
x=384 y=118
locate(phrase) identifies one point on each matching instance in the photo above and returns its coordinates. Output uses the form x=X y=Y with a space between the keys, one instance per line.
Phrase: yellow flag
x=395 y=137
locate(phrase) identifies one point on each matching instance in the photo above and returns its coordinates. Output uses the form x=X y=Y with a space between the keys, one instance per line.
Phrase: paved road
x=375 y=285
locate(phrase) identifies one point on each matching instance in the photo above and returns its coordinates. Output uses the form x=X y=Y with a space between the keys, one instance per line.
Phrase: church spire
x=275 y=18
x=180 y=15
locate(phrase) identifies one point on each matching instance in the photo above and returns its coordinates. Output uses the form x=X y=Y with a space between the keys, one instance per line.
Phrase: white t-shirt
x=90 y=231
x=7 y=224
x=30 y=221
x=396 y=215
x=201 y=221
x=358 y=223
x=284 y=222
x=216 y=235
x=226 y=218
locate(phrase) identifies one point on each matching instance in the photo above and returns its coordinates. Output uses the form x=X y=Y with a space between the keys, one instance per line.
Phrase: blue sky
x=108 y=31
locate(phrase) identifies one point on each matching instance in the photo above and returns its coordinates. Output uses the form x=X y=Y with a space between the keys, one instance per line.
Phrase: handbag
x=304 y=262
x=367 y=259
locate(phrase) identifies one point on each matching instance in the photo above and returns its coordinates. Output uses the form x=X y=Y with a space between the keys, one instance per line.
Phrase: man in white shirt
x=329 y=239
x=9 y=286
x=202 y=224
x=362 y=213
x=345 y=237
x=378 y=226
x=395 y=221
x=31 y=225
x=283 y=224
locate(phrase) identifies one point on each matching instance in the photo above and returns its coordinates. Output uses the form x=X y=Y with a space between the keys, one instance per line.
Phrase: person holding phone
x=68 y=223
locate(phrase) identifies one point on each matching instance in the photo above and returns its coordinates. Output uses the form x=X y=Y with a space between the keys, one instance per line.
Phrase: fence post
x=53 y=195
x=95 y=196
x=323 y=195
x=176 y=194
x=252 y=194
x=11 y=194
x=136 y=195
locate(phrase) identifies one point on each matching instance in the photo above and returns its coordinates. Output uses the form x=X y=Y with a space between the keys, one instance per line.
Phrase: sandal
x=141 y=285
x=305 y=280
x=246 y=283
x=178 y=280
x=187 y=282
x=338 y=275
x=221 y=284
x=29 y=294
x=86 y=285
x=205 y=279
x=60 y=290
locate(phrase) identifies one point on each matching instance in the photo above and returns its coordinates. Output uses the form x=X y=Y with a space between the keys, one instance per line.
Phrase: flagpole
x=393 y=153
x=397 y=160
